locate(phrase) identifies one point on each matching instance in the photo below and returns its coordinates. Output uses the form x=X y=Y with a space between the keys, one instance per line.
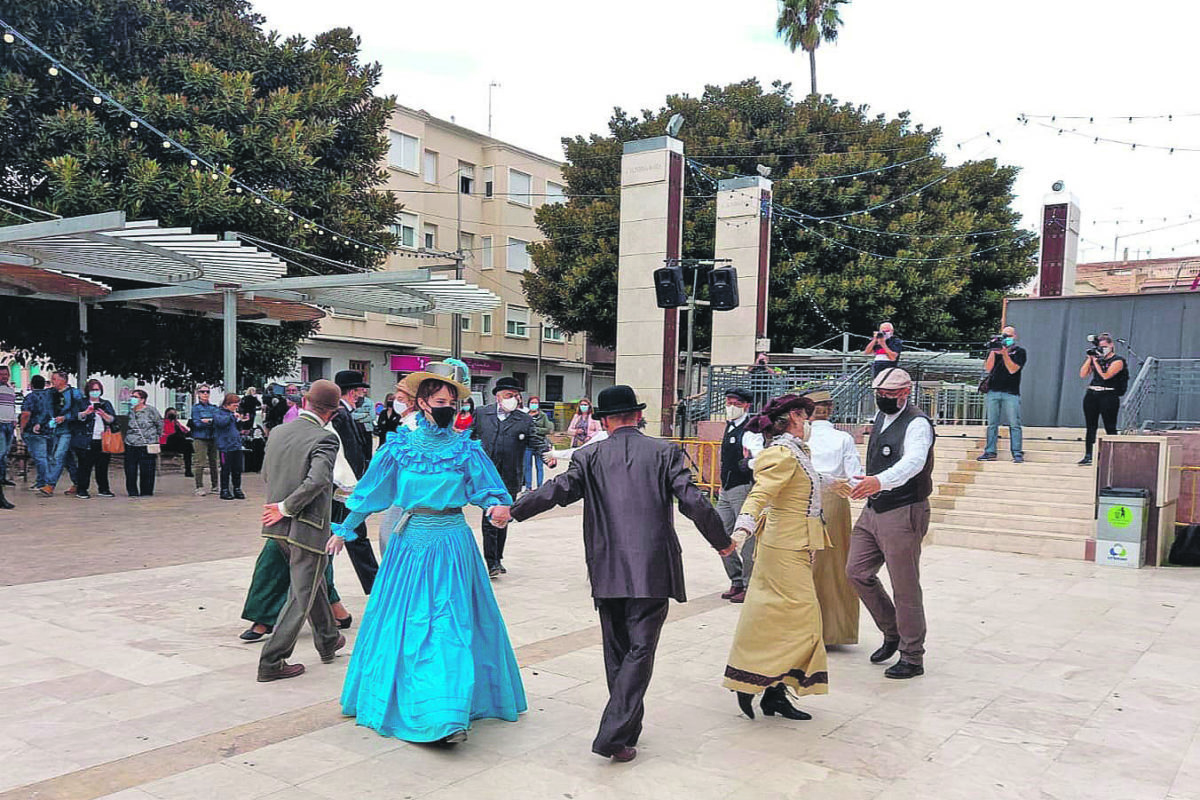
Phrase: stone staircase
x=1043 y=507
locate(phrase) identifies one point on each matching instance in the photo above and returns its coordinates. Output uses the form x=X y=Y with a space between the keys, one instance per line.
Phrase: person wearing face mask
x=534 y=467
x=583 y=425
x=739 y=445
x=889 y=530
x=506 y=432
x=141 y=445
x=466 y=416
x=96 y=417
x=1102 y=400
x=388 y=420
x=357 y=454
x=1005 y=361
x=433 y=652
x=777 y=644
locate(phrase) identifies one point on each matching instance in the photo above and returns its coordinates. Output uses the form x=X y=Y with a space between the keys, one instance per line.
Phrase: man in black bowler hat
x=356 y=446
x=506 y=432
x=628 y=483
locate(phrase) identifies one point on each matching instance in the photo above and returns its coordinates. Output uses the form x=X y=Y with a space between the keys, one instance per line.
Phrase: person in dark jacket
x=356 y=450
x=229 y=444
x=506 y=432
x=203 y=434
x=628 y=484
x=87 y=437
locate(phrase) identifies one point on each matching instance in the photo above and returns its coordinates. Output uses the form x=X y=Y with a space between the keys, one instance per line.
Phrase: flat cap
x=892 y=378
x=741 y=394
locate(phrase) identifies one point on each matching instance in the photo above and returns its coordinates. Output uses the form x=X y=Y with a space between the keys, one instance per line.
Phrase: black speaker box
x=723 y=288
x=668 y=287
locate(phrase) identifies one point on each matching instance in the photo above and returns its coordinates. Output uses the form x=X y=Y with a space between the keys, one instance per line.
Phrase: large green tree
x=841 y=274
x=804 y=24
x=297 y=120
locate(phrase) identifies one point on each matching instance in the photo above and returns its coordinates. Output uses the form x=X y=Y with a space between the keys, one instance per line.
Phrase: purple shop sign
x=408 y=363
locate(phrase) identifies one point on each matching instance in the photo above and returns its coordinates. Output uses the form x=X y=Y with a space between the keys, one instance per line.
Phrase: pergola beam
x=71 y=226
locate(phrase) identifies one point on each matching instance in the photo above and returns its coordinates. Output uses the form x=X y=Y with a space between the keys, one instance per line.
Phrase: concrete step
x=1006 y=491
x=1046 y=469
x=1067 y=457
x=1083 y=481
x=1024 y=506
x=1015 y=522
x=1027 y=431
x=1027 y=444
x=1047 y=545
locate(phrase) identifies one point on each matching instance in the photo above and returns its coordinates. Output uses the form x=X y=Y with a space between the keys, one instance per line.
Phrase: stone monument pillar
x=1060 y=244
x=743 y=235
x=651 y=231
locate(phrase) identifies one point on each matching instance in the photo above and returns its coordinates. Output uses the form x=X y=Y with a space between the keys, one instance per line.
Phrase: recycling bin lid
x=1110 y=491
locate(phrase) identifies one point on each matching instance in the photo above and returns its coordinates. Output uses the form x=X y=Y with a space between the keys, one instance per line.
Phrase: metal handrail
x=1162 y=380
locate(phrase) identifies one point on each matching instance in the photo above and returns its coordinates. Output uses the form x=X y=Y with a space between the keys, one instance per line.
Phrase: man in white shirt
x=834 y=455
x=738 y=447
x=891 y=527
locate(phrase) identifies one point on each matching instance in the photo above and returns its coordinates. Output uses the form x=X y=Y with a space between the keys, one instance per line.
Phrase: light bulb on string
x=258 y=201
x=53 y=72
x=9 y=38
x=216 y=176
x=96 y=99
x=238 y=189
x=166 y=145
x=193 y=162
x=133 y=123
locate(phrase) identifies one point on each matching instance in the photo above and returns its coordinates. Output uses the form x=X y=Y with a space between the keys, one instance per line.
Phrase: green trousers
x=269 y=586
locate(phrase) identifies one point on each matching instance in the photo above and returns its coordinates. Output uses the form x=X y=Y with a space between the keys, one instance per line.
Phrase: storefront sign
x=411 y=363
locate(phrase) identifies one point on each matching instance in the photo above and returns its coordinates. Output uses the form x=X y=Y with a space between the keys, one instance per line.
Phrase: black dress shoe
x=745 y=703
x=251 y=635
x=4 y=504
x=624 y=755
x=327 y=658
x=226 y=495
x=7 y=482
x=886 y=651
x=345 y=621
x=1086 y=461
x=494 y=572
x=237 y=495
x=458 y=737
x=775 y=701
x=503 y=571
x=902 y=670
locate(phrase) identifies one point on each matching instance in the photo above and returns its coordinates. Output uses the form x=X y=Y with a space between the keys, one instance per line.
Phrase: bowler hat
x=741 y=394
x=350 y=379
x=619 y=399
x=507 y=383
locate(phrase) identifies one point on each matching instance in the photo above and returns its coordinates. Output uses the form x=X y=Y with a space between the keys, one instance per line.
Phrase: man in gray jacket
x=298 y=469
x=629 y=483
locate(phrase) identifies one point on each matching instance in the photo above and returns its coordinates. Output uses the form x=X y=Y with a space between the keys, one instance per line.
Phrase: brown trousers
x=308 y=598
x=892 y=538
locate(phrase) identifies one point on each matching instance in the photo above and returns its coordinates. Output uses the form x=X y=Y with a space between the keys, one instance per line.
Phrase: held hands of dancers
x=499 y=516
x=549 y=460
x=743 y=529
x=867 y=486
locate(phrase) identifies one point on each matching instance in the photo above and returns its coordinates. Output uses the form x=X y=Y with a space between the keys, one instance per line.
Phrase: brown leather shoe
x=624 y=755
x=327 y=658
x=281 y=672
x=739 y=597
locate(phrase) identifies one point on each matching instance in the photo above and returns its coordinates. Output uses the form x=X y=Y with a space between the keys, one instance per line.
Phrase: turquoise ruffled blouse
x=429 y=467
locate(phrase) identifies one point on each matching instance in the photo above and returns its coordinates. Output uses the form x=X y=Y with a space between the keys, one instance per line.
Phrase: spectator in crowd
x=533 y=459
x=885 y=346
x=35 y=428
x=364 y=415
x=176 y=439
x=203 y=435
x=96 y=417
x=388 y=420
x=276 y=407
x=248 y=407
x=583 y=425
x=141 y=445
x=229 y=444
x=8 y=422
x=466 y=416
x=1004 y=363
x=293 y=401
x=65 y=404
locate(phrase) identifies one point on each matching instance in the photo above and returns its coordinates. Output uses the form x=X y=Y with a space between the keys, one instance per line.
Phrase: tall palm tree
x=807 y=23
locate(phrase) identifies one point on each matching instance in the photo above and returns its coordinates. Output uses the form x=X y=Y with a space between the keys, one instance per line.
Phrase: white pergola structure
x=103 y=258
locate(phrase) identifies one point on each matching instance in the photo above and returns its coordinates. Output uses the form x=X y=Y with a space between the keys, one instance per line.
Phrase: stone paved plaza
x=121 y=676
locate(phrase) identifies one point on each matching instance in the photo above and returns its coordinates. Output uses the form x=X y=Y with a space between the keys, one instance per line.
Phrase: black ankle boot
x=775 y=701
x=4 y=504
x=237 y=494
x=745 y=700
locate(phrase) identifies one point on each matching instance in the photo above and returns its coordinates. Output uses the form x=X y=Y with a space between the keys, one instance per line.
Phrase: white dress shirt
x=751 y=441
x=834 y=454
x=918 y=439
x=344 y=479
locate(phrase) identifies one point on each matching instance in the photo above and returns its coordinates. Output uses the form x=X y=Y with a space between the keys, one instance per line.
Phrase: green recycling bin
x=1121 y=527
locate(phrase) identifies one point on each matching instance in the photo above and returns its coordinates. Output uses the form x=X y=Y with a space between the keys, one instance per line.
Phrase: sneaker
x=1086 y=461
x=83 y=495
x=987 y=457
x=200 y=492
x=47 y=491
x=71 y=491
x=494 y=572
x=106 y=494
x=1018 y=459
x=35 y=488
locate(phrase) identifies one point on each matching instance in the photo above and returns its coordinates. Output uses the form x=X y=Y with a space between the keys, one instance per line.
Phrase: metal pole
x=687 y=372
x=83 y=344
x=541 y=327
x=456 y=319
x=229 y=322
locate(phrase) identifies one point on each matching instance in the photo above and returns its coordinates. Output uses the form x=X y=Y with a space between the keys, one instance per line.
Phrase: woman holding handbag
x=141 y=445
x=229 y=444
x=87 y=440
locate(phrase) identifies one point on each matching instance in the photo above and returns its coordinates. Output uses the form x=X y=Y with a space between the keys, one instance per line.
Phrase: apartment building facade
x=461 y=189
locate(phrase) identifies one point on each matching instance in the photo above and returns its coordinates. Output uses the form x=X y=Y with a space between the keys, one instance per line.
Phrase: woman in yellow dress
x=778 y=642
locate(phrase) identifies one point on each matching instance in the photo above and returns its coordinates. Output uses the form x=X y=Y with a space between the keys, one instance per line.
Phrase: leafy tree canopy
x=729 y=131
x=297 y=120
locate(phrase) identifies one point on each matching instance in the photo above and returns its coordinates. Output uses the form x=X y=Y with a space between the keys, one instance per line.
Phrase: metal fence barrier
x=1164 y=395
x=704 y=459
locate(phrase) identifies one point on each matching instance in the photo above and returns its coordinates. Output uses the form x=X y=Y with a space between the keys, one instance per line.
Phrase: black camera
x=996 y=343
x=1094 y=341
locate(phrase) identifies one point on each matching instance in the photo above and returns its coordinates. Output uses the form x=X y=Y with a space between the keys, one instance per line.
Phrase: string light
x=96 y=99
x=1164 y=148
x=53 y=72
x=9 y=38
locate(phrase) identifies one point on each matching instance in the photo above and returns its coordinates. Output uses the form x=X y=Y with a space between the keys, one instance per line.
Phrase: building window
x=554 y=389
x=466 y=177
x=516 y=322
x=485 y=248
x=403 y=150
x=408 y=322
x=431 y=167
x=518 y=256
x=429 y=236
x=485 y=324
x=465 y=322
x=466 y=243
x=520 y=187
x=362 y=366
x=551 y=334
x=489 y=181
x=555 y=193
x=521 y=378
x=406 y=231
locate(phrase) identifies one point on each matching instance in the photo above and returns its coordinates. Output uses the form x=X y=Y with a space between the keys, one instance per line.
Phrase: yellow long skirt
x=839 y=601
x=778 y=636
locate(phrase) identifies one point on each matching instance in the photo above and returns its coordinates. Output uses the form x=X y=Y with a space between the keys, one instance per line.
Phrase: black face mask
x=443 y=415
x=888 y=405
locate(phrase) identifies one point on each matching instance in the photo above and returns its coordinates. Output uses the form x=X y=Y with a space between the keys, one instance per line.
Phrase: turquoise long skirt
x=432 y=653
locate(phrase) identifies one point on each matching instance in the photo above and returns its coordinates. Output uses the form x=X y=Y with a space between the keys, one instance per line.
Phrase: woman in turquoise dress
x=433 y=652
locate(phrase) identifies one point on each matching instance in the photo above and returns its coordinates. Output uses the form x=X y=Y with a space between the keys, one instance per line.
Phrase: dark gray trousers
x=308 y=598
x=630 y=628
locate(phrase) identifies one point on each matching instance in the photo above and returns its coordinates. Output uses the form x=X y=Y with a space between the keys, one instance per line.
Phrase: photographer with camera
x=1102 y=400
x=1002 y=387
x=886 y=346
